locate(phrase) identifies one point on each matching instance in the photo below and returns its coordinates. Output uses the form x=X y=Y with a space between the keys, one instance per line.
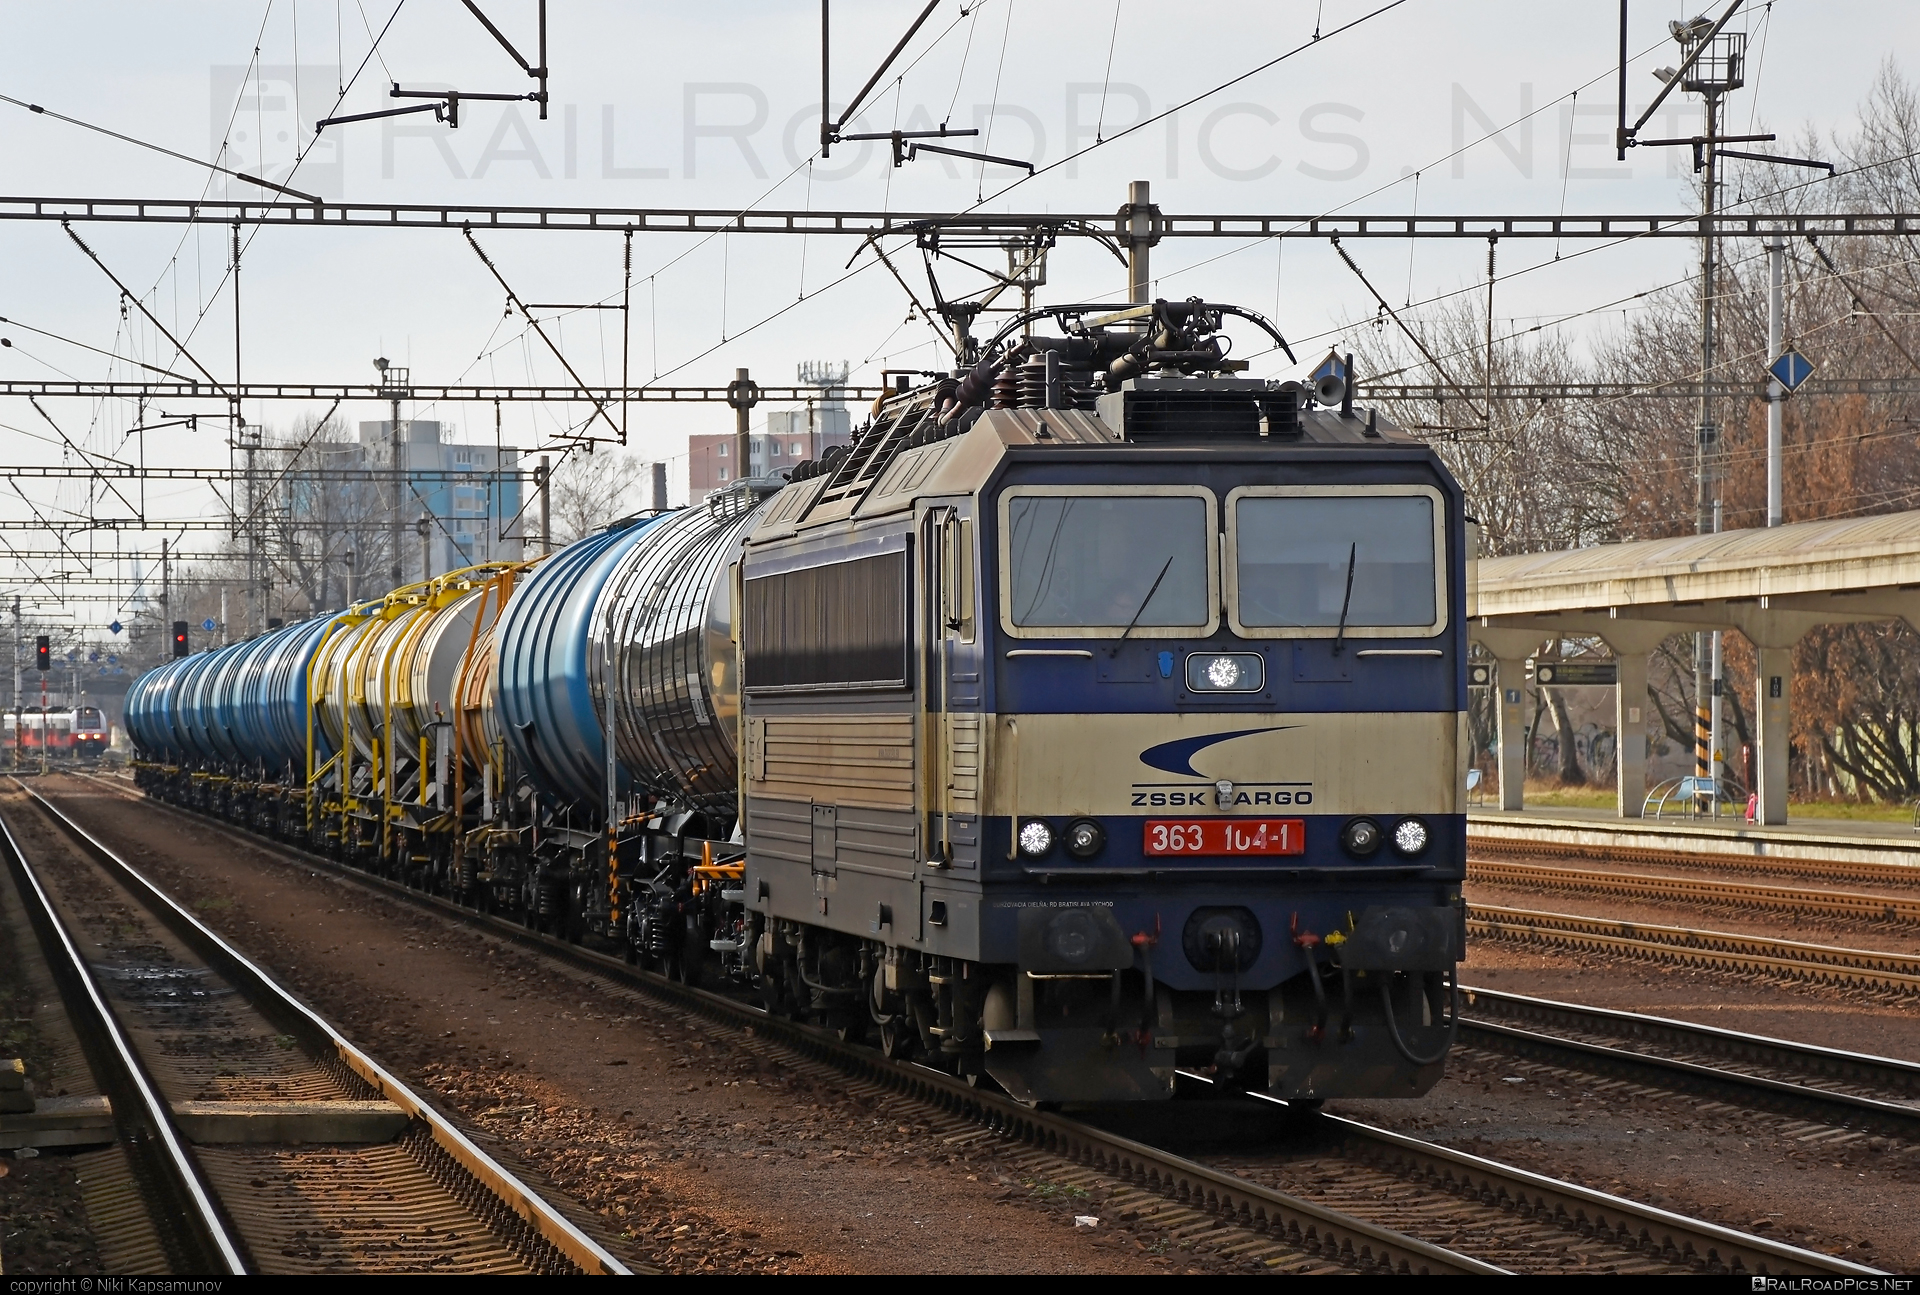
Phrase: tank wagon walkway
x=1772 y=585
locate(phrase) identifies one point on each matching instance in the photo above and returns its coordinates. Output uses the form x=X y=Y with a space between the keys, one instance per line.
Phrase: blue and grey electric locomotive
x=1095 y=714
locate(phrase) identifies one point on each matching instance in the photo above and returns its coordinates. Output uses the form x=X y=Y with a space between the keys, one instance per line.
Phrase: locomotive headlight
x=1410 y=837
x=1361 y=837
x=1225 y=672
x=1085 y=838
x=1036 y=838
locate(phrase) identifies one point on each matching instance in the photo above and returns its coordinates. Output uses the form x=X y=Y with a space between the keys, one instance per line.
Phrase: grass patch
x=217 y=904
x=1852 y=811
x=1056 y=1191
x=1573 y=797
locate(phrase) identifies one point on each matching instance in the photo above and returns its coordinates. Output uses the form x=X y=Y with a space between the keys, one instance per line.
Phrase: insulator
x=1006 y=389
x=1032 y=380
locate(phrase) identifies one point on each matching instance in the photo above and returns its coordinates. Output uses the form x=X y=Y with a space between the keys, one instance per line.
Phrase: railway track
x=1483 y=850
x=250 y=1136
x=1893 y=974
x=1338 y=1195
x=1834 y=1090
x=1718 y=892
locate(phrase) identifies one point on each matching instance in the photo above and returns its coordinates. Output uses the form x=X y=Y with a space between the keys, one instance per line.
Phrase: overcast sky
x=715 y=105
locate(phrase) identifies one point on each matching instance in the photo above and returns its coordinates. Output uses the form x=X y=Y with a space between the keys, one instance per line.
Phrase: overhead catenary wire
x=141 y=143
x=656 y=364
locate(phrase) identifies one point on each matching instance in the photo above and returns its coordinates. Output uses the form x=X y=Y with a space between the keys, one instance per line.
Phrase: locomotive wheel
x=770 y=996
x=898 y=1039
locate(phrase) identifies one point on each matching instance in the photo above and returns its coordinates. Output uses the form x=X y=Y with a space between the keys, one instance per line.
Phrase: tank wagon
x=1096 y=713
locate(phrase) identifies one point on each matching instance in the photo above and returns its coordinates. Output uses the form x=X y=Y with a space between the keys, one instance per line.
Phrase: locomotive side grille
x=845 y=759
x=840 y=625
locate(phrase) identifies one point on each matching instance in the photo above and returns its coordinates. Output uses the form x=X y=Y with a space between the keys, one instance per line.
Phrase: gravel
x=692 y=1148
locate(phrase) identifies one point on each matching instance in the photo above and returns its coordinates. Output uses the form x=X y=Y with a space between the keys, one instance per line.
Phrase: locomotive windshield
x=1104 y=561
x=1293 y=553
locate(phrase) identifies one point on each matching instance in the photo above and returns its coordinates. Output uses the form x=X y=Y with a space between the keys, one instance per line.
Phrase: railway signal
x=42 y=653
x=179 y=638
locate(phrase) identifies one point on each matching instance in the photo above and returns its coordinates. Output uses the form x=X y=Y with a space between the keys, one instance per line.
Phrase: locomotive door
x=953 y=699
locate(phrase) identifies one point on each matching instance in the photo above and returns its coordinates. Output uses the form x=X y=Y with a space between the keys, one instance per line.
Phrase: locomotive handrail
x=1013 y=793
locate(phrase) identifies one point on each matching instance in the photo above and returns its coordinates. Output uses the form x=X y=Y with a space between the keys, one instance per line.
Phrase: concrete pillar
x=1510 y=646
x=1630 y=731
x=1511 y=680
x=1774 y=668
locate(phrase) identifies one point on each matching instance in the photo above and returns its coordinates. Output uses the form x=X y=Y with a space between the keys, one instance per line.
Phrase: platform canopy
x=1771 y=585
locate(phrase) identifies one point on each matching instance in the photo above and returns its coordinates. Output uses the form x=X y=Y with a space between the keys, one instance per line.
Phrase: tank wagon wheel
x=579 y=895
x=689 y=968
x=691 y=959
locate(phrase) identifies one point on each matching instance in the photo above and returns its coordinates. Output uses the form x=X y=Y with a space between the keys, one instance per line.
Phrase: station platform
x=1807 y=839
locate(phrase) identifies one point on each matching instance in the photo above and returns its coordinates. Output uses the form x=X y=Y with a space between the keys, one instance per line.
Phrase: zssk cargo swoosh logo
x=1177 y=757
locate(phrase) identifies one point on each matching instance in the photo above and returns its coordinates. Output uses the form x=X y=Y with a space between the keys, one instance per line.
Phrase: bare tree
x=1566 y=474
x=589 y=491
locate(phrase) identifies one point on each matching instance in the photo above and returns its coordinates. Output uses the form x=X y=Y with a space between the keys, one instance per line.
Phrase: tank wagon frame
x=1095 y=713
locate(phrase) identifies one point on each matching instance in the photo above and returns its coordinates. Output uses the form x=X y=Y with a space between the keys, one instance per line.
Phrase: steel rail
x=1895 y=1080
x=1739 y=894
x=1834 y=1107
x=1297 y=1220
x=256 y=984
x=1646 y=1227
x=147 y=1121
x=1591 y=1212
x=1710 y=950
x=1486 y=849
x=867 y=224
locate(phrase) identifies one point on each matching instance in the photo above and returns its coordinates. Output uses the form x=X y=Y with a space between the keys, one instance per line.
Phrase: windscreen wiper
x=1167 y=566
x=1340 y=635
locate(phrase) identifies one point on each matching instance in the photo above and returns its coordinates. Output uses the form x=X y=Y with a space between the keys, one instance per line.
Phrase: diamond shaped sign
x=208 y=624
x=1791 y=369
x=115 y=628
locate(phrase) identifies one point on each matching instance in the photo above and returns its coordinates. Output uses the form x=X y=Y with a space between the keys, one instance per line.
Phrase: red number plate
x=1226 y=836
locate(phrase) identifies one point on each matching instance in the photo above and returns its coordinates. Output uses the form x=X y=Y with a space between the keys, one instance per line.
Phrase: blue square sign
x=1791 y=369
